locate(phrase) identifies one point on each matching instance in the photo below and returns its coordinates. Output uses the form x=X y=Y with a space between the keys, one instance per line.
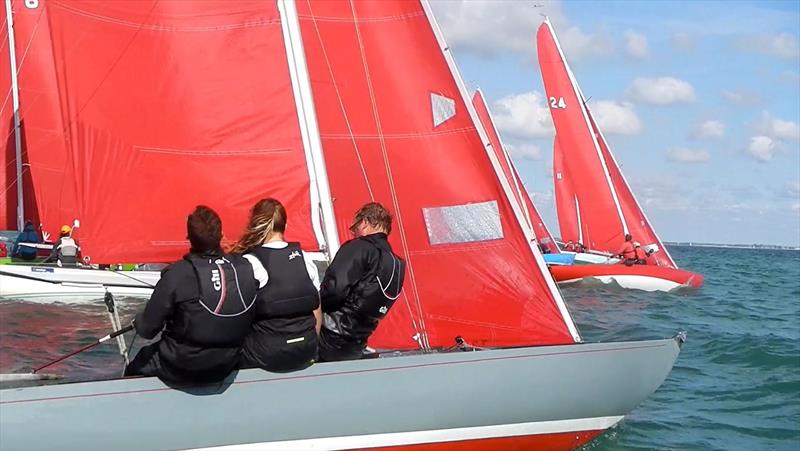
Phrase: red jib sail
x=136 y=111
x=605 y=208
x=396 y=128
x=534 y=219
x=567 y=205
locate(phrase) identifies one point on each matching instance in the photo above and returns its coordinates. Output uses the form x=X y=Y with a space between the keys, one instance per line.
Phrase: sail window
x=463 y=223
x=443 y=108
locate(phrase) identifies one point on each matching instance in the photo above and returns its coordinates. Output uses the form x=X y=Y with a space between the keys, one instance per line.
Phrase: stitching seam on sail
x=341 y=102
x=387 y=166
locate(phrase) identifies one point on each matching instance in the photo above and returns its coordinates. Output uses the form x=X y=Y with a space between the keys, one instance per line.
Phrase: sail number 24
x=557 y=103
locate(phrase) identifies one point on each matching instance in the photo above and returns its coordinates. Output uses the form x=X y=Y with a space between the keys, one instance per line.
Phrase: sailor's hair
x=267 y=217
x=204 y=229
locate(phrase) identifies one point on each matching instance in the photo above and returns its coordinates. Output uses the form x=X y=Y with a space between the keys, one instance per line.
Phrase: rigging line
x=341 y=102
x=392 y=189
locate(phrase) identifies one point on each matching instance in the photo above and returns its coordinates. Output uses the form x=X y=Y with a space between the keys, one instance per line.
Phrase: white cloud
x=795 y=207
x=661 y=91
x=616 y=117
x=777 y=128
x=523 y=115
x=709 y=129
x=761 y=148
x=636 y=45
x=781 y=45
x=688 y=156
x=524 y=151
x=492 y=27
x=740 y=97
x=683 y=41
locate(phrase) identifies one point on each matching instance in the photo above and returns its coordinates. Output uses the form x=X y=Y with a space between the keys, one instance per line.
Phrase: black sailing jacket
x=360 y=286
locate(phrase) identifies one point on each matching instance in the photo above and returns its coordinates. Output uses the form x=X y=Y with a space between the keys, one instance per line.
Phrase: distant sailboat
x=595 y=205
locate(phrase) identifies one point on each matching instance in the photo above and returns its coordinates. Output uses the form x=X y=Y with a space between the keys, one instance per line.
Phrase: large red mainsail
x=604 y=207
x=135 y=104
x=396 y=129
x=534 y=219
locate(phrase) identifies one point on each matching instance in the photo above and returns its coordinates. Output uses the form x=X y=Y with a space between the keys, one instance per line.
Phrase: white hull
x=643 y=283
x=73 y=285
x=583 y=257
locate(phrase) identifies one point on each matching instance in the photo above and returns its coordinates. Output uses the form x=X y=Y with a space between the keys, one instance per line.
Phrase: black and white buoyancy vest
x=289 y=293
x=227 y=293
x=67 y=250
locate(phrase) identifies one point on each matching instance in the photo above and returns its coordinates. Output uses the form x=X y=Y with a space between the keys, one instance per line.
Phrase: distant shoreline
x=772 y=247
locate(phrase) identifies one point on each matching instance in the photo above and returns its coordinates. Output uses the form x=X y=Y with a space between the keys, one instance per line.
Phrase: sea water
x=735 y=386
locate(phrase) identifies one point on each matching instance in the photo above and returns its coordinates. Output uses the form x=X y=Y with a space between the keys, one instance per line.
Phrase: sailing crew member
x=360 y=286
x=28 y=235
x=284 y=335
x=640 y=254
x=202 y=305
x=66 y=249
x=626 y=251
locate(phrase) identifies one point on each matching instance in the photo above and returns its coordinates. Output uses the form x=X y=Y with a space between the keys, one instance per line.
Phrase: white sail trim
x=432 y=436
x=528 y=232
x=582 y=101
x=12 y=59
x=578 y=216
x=442 y=109
x=463 y=223
x=322 y=215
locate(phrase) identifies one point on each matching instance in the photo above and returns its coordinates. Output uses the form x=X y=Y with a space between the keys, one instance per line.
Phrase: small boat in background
x=595 y=205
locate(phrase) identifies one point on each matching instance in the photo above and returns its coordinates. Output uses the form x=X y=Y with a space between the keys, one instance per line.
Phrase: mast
x=12 y=56
x=527 y=231
x=315 y=159
x=582 y=102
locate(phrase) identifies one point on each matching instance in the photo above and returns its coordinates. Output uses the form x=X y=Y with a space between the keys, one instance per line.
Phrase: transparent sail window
x=463 y=223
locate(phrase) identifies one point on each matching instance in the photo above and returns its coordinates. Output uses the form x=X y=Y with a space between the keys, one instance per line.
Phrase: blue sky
x=700 y=103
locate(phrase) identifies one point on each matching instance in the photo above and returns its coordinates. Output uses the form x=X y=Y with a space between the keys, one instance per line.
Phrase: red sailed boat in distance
x=226 y=102
x=594 y=203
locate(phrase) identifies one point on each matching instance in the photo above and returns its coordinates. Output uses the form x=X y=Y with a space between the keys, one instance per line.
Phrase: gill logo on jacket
x=216 y=279
x=294 y=255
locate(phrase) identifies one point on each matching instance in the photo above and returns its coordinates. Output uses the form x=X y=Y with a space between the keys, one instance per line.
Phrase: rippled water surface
x=736 y=384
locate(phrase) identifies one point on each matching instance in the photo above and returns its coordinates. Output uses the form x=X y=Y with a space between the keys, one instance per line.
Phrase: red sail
x=566 y=202
x=534 y=219
x=638 y=225
x=8 y=173
x=136 y=111
x=605 y=206
x=396 y=129
x=582 y=158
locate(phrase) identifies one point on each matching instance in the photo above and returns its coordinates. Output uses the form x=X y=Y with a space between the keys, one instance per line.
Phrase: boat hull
x=558 y=397
x=640 y=277
x=73 y=285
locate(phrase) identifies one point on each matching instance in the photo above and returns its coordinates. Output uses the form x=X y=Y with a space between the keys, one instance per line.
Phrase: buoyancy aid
x=220 y=316
x=283 y=336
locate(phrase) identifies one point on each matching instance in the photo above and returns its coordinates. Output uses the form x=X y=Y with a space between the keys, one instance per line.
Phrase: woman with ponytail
x=284 y=335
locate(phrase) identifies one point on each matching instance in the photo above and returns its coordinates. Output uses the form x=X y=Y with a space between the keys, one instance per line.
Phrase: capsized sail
x=534 y=219
x=136 y=111
x=605 y=208
x=396 y=128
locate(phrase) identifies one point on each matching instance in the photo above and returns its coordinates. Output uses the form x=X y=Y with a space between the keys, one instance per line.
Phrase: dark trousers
x=146 y=362
x=334 y=347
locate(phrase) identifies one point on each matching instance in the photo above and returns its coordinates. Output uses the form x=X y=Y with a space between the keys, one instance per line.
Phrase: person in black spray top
x=360 y=286
x=204 y=304
x=284 y=335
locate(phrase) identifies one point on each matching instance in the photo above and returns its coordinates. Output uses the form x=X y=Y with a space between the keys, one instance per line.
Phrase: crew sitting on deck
x=640 y=254
x=204 y=304
x=284 y=335
x=28 y=235
x=66 y=249
x=627 y=251
x=360 y=286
